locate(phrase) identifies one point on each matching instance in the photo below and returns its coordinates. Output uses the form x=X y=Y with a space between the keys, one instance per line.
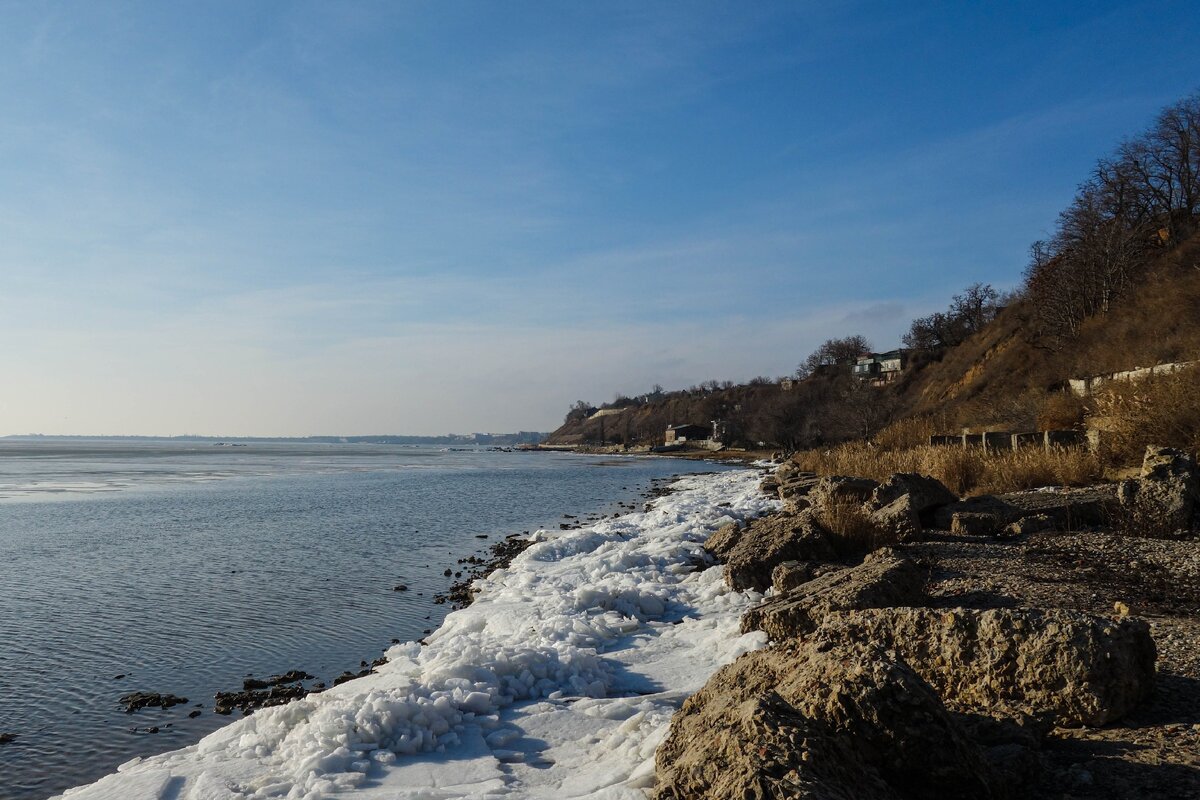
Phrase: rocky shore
x=1037 y=644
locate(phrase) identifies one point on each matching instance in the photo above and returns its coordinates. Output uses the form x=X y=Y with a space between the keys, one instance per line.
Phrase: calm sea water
x=186 y=567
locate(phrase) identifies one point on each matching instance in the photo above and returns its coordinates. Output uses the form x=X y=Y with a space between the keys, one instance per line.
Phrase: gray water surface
x=186 y=567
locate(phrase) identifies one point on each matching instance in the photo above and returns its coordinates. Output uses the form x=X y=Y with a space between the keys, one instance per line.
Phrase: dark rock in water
x=194 y=713
x=349 y=676
x=400 y=587
x=459 y=595
x=7 y=738
x=291 y=676
x=135 y=700
x=448 y=572
x=481 y=536
x=118 y=677
x=152 y=729
x=250 y=700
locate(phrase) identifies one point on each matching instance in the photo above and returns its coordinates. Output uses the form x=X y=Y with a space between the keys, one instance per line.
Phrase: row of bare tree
x=1142 y=198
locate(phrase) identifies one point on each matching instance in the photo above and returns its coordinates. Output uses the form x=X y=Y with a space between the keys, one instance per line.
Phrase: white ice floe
x=559 y=681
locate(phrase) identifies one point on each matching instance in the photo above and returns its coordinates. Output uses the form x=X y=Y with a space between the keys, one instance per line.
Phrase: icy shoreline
x=558 y=681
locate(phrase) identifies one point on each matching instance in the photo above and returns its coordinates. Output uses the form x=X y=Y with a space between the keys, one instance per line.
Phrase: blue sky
x=291 y=218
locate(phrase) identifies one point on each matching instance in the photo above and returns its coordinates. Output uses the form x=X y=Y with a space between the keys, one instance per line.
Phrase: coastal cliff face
x=1039 y=658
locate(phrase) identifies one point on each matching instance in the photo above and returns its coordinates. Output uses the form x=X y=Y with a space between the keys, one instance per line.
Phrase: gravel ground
x=1154 y=753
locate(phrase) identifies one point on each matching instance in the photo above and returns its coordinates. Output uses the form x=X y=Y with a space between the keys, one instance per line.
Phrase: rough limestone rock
x=905 y=503
x=886 y=577
x=900 y=518
x=790 y=574
x=987 y=515
x=843 y=722
x=835 y=490
x=1164 y=463
x=724 y=540
x=975 y=523
x=797 y=489
x=1032 y=524
x=924 y=493
x=1073 y=668
x=1167 y=495
x=792 y=484
x=769 y=541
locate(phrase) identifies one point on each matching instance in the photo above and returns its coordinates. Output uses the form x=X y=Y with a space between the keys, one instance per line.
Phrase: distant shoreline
x=460 y=439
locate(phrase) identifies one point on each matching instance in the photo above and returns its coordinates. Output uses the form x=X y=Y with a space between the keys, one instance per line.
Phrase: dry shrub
x=1162 y=410
x=1060 y=411
x=907 y=432
x=1030 y=468
x=852 y=530
x=964 y=471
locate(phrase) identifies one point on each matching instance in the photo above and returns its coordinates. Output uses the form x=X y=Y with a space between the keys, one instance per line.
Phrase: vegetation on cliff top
x=1115 y=287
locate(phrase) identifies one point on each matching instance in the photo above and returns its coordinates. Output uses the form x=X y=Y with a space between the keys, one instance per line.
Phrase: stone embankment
x=1038 y=644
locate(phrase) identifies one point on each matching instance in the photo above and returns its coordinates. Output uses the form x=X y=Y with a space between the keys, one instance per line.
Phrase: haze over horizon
x=300 y=218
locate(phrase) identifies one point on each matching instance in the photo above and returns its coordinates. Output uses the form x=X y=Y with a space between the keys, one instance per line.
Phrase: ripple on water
x=185 y=584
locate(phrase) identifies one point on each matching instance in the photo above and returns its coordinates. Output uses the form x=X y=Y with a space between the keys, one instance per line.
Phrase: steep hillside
x=1116 y=287
x=1009 y=376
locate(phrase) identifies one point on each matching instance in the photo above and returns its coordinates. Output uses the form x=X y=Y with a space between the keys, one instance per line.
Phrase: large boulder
x=900 y=519
x=834 y=490
x=904 y=505
x=769 y=541
x=1072 y=668
x=924 y=493
x=886 y=577
x=837 y=722
x=1165 y=463
x=1166 y=498
x=724 y=539
x=1060 y=508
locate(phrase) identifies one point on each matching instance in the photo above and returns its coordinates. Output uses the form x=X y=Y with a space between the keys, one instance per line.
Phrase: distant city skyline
x=294 y=219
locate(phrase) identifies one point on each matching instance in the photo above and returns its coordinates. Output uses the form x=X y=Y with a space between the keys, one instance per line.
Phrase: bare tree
x=1145 y=196
x=968 y=313
x=834 y=351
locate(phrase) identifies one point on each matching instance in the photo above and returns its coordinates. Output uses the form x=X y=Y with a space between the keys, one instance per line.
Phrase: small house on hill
x=681 y=433
x=881 y=368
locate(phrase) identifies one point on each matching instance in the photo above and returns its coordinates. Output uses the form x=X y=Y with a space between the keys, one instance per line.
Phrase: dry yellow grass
x=1163 y=410
x=853 y=531
x=908 y=432
x=965 y=471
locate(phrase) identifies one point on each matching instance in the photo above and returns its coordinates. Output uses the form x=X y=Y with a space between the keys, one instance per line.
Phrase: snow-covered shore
x=558 y=681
